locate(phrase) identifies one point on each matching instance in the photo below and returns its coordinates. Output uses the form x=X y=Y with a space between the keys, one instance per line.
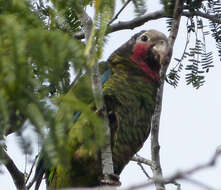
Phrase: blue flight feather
x=105 y=76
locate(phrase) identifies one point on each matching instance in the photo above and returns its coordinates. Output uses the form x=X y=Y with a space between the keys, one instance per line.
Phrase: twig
x=210 y=163
x=198 y=183
x=138 y=21
x=142 y=160
x=144 y=171
x=182 y=175
x=116 y=16
x=16 y=174
x=36 y=157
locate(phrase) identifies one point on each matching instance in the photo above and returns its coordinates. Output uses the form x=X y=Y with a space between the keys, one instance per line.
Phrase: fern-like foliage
x=34 y=67
x=195 y=75
x=199 y=59
x=214 y=8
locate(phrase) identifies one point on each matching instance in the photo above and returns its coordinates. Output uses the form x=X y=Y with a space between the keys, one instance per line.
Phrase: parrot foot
x=111 y=179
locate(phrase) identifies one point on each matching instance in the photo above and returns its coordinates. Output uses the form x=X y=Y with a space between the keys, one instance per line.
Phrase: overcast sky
x=190 y=121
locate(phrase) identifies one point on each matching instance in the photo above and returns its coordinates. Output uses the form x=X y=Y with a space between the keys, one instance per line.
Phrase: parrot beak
x=154 y=58
x=161 y=53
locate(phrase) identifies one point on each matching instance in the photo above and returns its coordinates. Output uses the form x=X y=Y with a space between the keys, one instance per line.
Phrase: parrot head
x=150 y=51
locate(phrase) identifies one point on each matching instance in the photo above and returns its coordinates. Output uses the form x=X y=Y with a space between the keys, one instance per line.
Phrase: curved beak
x=162 y=53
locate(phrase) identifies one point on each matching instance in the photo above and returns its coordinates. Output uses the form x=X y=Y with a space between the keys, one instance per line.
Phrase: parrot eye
x=144 y=38
x=161 y=42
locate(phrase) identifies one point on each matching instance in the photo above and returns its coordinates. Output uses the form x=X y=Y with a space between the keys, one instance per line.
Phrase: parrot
x=130 y=79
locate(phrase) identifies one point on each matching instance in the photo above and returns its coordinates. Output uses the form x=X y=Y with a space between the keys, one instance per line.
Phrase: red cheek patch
x=139 y=57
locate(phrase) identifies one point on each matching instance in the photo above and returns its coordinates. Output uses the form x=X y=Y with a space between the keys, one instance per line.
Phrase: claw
x=111 y=179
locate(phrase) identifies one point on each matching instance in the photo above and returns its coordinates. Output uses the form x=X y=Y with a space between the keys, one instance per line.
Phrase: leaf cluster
x=199 y=59
x=34 y=68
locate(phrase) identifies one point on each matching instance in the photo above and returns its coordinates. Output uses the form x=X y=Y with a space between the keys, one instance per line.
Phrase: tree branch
x=183 y=175
x=198 y=183
x=143 y=169
x=16 y=174
x=213 y=18
x=130 y=24
x=116 y=16
x=136 y=22
x=155 y=124
x=142 y=160
x=33 y=164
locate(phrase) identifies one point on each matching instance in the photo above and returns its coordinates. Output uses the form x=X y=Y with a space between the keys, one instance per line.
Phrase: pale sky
x=190 y=121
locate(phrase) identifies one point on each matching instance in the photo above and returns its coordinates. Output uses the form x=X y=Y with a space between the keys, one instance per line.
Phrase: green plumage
x=129 y=95
x=131 y=98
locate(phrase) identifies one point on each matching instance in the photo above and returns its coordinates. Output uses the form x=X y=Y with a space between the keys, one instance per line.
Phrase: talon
x=111 y=179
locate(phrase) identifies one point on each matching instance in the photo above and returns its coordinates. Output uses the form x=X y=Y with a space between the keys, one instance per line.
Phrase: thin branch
x=212 y=162
x=144 y=171
x=116 y=16
x=155 y=123
x=213 y=18
x=36 y=157
x=142 y=160
x=138 y=21
x=198 y=183
x=178 y=10
x=16 y=174
x=130 y=24
x=182 y=175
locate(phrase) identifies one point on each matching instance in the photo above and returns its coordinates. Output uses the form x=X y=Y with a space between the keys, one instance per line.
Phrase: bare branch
x=155 y=124
x=144 y=171
x=142 y=160
x=130 y=24
x=16 y=174
x=116 y=16
x=210 y=163
x=213 y=18
x=34 y=162
x=198 y=183
x=136 y=22
x=182 y=175
x=175 y=25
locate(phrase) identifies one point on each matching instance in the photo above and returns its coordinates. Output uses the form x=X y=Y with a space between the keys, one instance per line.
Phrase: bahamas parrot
x=130 y=80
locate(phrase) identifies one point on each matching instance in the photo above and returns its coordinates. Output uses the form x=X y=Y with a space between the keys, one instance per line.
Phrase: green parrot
x=130 y=80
